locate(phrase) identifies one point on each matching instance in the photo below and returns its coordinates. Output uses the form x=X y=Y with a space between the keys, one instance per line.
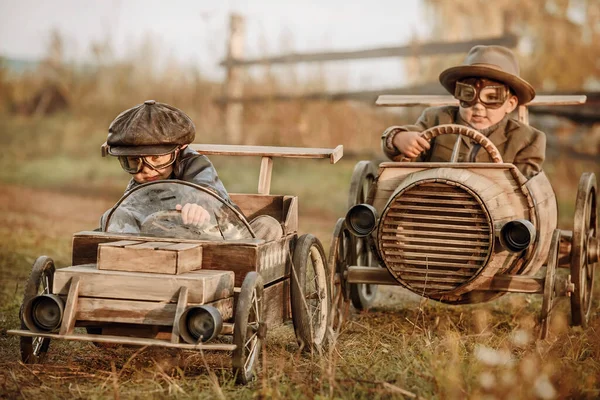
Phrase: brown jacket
x=519 y=144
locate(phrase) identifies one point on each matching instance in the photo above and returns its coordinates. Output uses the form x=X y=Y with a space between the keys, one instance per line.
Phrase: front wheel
x=309 y=293
x=34 y=349
x=249 y=328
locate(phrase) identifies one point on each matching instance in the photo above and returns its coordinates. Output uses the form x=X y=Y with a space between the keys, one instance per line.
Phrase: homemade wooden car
x=462 y=232
x=150 y=280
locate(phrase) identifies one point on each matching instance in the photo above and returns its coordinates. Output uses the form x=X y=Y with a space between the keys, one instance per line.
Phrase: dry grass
x=54 y=183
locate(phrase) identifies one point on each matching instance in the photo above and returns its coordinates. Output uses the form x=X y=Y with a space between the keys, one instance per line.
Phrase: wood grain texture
x=203 y=285
x=264 y=177
x=270 y=151
x=69 y=316
x=85 y=244
x=139 y=312
x=181 y=306
x=277 y=303
x=153 y=257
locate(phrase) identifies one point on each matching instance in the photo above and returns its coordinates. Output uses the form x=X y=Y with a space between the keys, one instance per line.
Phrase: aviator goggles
x=489 y=93
x=133 y=165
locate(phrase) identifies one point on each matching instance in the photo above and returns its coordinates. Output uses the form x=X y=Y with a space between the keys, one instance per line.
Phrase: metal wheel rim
x=585 y=227
x=317 y=310
x=550 y=284
x=338 y=259
x=251 y=338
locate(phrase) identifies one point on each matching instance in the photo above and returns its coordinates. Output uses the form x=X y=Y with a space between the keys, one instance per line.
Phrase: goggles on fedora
x=135 y=164
x=473 y=90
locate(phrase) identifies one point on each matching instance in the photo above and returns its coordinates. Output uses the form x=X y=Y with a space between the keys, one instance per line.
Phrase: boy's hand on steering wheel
x=193 y=214
x=410 y=143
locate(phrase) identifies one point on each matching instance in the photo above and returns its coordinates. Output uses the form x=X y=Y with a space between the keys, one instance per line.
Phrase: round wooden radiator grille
x=434 y=236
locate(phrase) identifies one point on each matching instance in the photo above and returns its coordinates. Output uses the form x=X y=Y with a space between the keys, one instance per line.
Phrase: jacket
x=518 y=143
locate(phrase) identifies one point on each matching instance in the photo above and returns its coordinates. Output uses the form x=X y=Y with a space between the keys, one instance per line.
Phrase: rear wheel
x=309 y=293
x=34 y=349
x=249 y=328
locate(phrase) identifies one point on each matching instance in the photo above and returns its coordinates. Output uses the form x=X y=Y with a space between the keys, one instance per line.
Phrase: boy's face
x=148 y=174
x=150 y=168
x=482 y=116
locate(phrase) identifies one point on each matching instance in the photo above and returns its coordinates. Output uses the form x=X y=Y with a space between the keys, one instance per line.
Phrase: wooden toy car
x=463 y=232
x=150 y=280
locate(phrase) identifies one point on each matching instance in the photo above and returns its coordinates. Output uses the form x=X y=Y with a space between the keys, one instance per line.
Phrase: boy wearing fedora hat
x=151 y=142
x=488 y=88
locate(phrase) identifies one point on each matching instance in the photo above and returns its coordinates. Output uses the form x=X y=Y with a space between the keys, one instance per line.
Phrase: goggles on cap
x=490 y=94
x=133 y=165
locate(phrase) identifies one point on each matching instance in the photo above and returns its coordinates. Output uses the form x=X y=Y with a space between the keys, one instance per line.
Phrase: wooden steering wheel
x=453 y=129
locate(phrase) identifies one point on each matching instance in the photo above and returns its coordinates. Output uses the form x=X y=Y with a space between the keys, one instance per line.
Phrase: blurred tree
x=558 y=48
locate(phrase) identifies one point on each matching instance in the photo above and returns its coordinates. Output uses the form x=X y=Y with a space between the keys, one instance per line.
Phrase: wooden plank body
x=505 y=197
x=203 y=286
x=139 y=312
x=271 y=259
x=150 y=256
x=277 y=303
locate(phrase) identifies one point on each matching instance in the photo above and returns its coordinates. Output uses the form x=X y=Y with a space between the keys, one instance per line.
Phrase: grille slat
x=435 y=236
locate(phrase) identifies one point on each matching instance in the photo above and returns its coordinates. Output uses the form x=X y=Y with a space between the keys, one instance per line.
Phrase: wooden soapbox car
x=150 y=280
x=461 y=232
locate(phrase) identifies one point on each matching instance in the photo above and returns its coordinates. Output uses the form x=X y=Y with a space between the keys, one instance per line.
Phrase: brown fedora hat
x=493 y=62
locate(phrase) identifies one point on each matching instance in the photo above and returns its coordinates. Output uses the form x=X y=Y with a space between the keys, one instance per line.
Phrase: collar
x=496 y=133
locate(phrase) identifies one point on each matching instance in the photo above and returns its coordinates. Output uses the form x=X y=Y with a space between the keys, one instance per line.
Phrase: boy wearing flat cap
x=151 y=142
x=489 y=88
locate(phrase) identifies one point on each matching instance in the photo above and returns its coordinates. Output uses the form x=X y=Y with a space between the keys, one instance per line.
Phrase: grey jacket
x=518 y=143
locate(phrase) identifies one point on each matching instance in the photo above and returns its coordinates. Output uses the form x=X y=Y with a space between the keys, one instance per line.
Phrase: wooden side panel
x=275 y=258
x=277 y=303
x=239 y=259
x=253 y=205
x=544 y=201
x=85 y=244
x=138 y=312
x=203 y=285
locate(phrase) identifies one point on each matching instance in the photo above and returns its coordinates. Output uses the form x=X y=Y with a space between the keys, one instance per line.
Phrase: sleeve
x=425 y=121
x=529 y=160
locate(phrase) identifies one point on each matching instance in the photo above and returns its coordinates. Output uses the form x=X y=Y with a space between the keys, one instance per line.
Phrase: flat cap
x=151 y=128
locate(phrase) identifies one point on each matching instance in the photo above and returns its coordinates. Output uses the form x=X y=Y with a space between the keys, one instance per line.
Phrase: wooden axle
x=498 y=283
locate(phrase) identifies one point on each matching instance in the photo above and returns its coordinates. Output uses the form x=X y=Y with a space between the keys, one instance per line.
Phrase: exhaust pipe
x=44 y=313
x=200 y=323
x=517 y=235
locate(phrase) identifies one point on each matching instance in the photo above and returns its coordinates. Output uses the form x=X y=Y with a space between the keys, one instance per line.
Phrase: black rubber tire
x=248 y=321
x=310 y=326
x=41 y=279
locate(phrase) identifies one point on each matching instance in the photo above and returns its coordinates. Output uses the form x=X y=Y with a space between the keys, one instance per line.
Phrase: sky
x=195 y=31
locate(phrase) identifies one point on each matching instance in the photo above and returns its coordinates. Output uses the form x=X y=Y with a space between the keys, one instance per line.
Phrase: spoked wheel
x=363 y=177
x=309 y=293
x=338 y=264
x=550 y=292
x=249 y=328
x=34 y=349
x=584 y=248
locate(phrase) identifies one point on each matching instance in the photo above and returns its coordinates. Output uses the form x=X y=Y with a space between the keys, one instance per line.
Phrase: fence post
x=234 y=82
